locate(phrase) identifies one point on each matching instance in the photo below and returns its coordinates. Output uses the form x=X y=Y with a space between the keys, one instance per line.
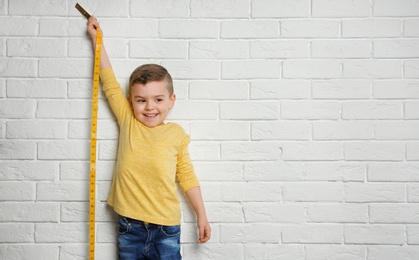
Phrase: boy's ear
x=129 y=101
x=172 y=100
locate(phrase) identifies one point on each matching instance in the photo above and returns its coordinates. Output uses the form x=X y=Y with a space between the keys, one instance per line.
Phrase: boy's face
x=151 y=102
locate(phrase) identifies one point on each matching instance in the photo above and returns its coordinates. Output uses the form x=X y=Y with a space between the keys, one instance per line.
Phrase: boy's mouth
x=150 y=115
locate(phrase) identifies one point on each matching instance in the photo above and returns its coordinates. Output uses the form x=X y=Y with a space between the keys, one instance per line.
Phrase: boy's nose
x=149 y=106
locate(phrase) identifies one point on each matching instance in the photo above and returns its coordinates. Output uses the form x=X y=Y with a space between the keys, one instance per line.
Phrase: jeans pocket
x=123 y=226
x=170 y=231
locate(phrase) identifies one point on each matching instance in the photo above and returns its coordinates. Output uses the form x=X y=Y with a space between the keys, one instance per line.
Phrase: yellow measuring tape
x=93 y=133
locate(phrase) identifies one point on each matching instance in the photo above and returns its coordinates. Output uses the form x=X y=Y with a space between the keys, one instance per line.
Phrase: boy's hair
x=148 y=73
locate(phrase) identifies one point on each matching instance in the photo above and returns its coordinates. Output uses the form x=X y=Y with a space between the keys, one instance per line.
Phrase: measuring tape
x=93 y=133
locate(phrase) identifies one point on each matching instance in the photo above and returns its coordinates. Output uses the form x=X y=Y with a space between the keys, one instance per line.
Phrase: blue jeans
x=137 y=240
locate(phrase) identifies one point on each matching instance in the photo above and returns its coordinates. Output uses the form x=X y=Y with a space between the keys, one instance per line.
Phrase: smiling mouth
x=150 y=115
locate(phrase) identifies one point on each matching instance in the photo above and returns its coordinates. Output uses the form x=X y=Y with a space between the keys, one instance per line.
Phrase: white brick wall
x=304 y=119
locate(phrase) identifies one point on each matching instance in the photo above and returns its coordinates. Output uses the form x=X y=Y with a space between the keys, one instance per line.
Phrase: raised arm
x=92 y=25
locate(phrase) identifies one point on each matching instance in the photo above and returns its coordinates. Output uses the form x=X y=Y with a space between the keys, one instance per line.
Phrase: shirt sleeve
x=115 y=95
x=185 y=173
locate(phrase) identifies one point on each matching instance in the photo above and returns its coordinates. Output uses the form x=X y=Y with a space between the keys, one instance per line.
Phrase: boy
x=152 y=155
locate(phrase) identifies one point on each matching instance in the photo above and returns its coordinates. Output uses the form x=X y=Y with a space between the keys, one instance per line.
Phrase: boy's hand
x=204 y=231
x=92 y=25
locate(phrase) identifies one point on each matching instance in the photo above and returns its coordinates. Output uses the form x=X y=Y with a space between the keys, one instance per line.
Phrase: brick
x=226 y=212
x=219 y=9
x=62 y=27
x=335 y=171
x=108 y=150
x=28 y=170
x=412 y=149
x=280 y=8
x=29 y=212
x=343 y=130
x=396 y=131
x=215 y=251
x=391 y=252
x=313 y=234
x=256 y=69
x=250 y=151
x=123 y=28
x=191 y=29
x=160 y=9
x=309 y=28
x=411 y=69
x=250 y=233
x=374 y=151
x=61 y=233
x=409 y=28
x=36 y=129
x=249 y=29
x=63 y=150
x=46 y=252
x=413 y=234
x=255 y=191
x=371 y=28
x=107 y=8
x=302 y=151
x=204 y=151
x=313 y=191
x=374 y=234
x=193 y=69
x=218 y=90
x=396 y=8
x=51 y=68
x=413 y=193
x=372 y=69
x=273 y=171
x=280 y=89
x=311 y=69
x=338 y=213
x=353 y=252
x=279 y=49
x=17 y=150
x=274 y=212
x=159 y=49
x=218 y=49
x=393 y=172
x=283 y=130
x=249 y=110
x=309 y=110
x=39 y=47
x=399 y=89
x=43 y=7
x=39 y=88
x=341 y=8
x=220 y=131
x=393 y=213
x=16 y=233
x=218 y=171
x=17 y=191
x=62 y=191
x=190 y=110
x=63 y=109
x=374 y=192
x=13 y=109
x=406 y=48
x=275 y=251
x=341 y=49
x=19 y=26
x=17 y=67
x=372 y=110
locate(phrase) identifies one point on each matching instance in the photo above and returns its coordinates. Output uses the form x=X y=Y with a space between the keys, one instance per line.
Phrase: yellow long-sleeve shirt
x=149 y=162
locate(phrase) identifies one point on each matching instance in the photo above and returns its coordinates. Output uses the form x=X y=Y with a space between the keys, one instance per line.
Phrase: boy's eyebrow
x=153 y=96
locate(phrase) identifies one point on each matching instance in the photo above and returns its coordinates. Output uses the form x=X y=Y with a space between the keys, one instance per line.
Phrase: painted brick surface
x=303 y=115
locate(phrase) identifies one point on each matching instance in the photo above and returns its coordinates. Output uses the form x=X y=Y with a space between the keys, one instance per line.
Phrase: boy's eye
x=159 y=100
x=140 y=100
